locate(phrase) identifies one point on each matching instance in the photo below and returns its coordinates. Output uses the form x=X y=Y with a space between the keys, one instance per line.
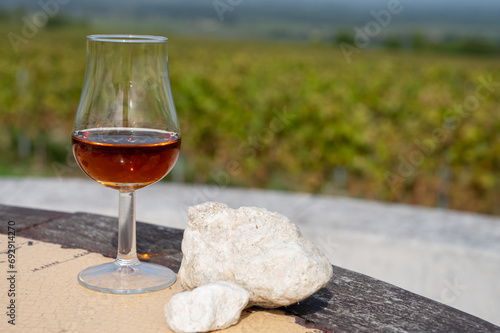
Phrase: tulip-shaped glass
x=126 y=136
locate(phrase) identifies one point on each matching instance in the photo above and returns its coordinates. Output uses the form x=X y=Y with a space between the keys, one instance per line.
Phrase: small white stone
x=211 y=307
x=261 y=251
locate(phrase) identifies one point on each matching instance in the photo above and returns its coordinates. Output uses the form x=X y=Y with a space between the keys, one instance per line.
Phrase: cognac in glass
x=126 y=136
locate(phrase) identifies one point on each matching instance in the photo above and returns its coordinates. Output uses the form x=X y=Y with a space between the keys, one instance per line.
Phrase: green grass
x=282 y=115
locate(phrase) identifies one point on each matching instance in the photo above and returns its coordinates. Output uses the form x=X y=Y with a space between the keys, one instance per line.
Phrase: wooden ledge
x=351 y=302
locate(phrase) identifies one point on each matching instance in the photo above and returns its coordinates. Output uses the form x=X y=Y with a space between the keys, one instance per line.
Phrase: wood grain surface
x=351 y=302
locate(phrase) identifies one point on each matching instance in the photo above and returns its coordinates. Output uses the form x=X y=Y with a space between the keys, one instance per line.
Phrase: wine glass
x=126 y=136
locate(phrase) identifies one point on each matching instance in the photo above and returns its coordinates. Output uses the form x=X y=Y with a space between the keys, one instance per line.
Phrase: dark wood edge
x=351 y=302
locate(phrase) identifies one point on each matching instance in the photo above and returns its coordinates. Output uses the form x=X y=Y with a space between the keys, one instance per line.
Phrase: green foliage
x=283 y=116
x=393 y=43
x=417 y=41
x=475 y=46
x=344 y=36
x=60 y=21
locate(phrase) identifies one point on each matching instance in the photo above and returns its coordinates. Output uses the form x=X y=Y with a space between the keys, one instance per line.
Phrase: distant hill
x=283 y=19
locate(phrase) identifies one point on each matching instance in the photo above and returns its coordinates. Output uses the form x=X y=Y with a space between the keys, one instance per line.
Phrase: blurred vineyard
x=415 y=128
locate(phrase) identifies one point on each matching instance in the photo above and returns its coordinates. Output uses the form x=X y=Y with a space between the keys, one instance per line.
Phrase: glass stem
x=127 y=253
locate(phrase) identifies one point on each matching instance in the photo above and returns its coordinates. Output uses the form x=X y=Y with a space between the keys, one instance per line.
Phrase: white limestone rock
x=211 y=307
x=261 y=251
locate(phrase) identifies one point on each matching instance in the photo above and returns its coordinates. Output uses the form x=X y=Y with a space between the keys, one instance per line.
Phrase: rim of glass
x=127 y=38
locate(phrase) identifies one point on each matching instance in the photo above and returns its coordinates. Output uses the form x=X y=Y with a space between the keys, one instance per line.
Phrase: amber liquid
x=126 y=158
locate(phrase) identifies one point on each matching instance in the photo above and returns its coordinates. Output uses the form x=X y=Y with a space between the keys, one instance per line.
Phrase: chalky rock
x=211 y=307
x=261 y=251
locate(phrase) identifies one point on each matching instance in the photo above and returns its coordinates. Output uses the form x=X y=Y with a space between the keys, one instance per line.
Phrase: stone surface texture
x=261 y=251
x=210 y=307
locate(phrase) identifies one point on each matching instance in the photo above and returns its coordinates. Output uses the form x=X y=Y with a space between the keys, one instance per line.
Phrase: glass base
x=134 y=279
